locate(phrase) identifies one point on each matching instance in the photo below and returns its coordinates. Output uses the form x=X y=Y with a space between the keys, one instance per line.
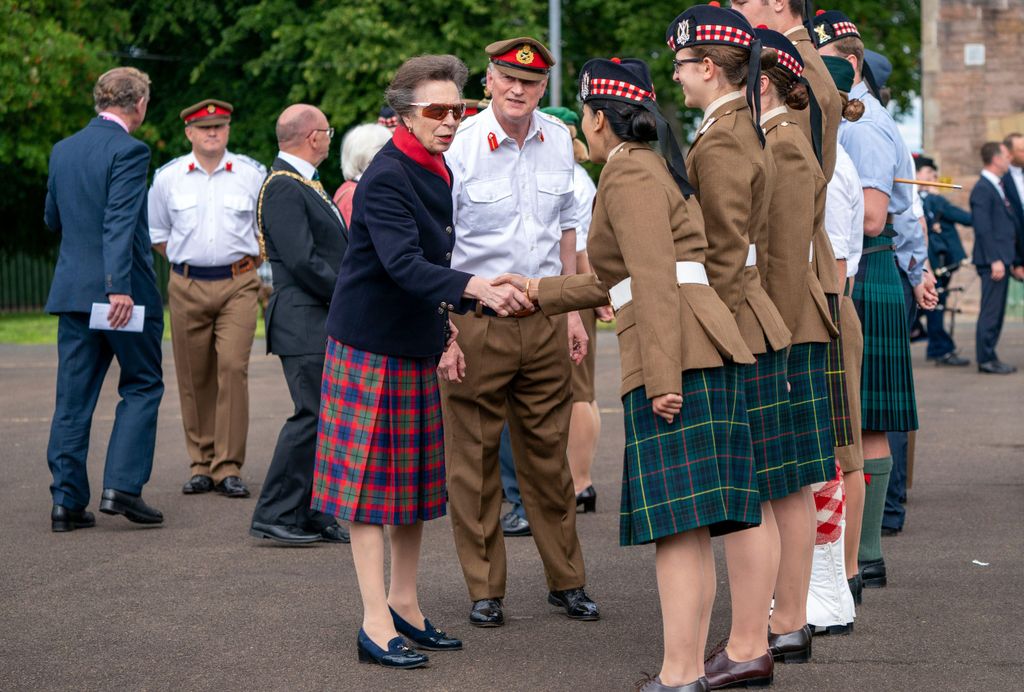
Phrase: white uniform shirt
x=207 y=220
x=1017 y=175
x=844 y=212
x=584 y=192
x=510 y=204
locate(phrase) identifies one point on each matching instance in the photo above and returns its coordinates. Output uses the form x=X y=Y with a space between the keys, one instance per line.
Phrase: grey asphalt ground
x=199 y=605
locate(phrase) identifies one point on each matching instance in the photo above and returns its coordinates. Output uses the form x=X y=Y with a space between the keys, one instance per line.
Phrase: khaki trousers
x=851 y=457
x=212 y=328
x=516 y=369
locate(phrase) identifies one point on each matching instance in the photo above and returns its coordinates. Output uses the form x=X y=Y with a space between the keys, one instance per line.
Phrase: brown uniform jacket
x=831 y=104
x=796 y=214
x=642 y=225
x=733 y=178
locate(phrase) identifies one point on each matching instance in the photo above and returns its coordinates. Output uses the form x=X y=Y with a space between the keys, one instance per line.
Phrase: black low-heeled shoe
x=429 y=638
x=856 y=589
x=397 y=655
x=586 y=500
x=63 y=519
x=872 y=573
x=577 y=604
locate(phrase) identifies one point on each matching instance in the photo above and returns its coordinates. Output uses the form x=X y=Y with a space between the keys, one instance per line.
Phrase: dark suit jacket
x=944 y=247
x=96 y=200
x=396 y=286
x=305 y=241
x=1017 y=204
x=995 y=227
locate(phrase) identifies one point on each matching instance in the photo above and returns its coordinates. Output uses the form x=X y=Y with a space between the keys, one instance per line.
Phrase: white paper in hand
x=98 y=319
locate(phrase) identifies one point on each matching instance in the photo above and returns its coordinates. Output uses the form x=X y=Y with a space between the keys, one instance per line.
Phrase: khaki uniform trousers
x=851 y=457
x=212 y=329
x=516 y=369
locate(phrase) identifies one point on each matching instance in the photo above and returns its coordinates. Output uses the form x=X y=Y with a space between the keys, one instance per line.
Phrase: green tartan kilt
x=810 y=413
x=835 y=374
x=771 y=427
x=694 y=472
x=887 y=381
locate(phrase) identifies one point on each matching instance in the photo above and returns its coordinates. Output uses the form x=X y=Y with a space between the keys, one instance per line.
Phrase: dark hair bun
x=642 y=125
x=853 y=110
x=797 y=98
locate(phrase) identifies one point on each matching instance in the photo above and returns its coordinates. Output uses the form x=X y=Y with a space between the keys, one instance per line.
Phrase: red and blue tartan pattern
x=835 y=375
x=697 y=470
x=380 y=439
x=614 y=87
x=887 y=401
x=810 y=413
x=721 y=33
x=771 y=429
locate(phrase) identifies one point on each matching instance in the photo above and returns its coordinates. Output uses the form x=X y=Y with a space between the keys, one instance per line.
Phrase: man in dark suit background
x=1013 y=183
x=304 y=239
x=995 y=252
x=96 y=200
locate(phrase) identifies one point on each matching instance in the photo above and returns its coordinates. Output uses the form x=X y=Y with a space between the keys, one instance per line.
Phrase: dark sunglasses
x=439 y=111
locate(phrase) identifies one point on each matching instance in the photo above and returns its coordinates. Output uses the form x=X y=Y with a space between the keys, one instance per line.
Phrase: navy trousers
x=896 y=493
x=990 y=316
x=509 y=482
x=83 y=358
x=939 y=341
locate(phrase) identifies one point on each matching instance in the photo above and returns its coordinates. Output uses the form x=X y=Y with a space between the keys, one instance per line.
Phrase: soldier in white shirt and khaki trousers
x=514 y=212
x=202 y=215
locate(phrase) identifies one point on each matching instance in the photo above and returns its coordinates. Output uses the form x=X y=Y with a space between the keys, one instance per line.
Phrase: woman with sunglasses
x=380 y=442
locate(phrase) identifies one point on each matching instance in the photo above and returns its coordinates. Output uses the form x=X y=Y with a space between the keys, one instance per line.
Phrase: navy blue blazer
x=995 y=226
x=96 y=200
x=944 y=247
x=1017 y=204
x=395 y=287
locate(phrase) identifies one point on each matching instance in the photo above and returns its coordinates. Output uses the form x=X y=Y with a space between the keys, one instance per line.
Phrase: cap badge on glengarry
x=683 y=33
x=525 y=54
x=822 y=33
x=585 y=86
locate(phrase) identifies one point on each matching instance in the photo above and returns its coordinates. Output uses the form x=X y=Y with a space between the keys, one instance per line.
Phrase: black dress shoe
x=232 y=486
x=951 y=359
x=487 y=613
x=856 y=588
x=429 y=638
x=790 y=647
x=197 y=484
x=63 y=519
x=996 y=367
x=133 y=507
x=586 y=500
x=397 y=655
x=289 y=535
x=335 y=533
x=576 y=602
x=891 y=531
x=649 y=684
x=515 y=526
x=872 y=573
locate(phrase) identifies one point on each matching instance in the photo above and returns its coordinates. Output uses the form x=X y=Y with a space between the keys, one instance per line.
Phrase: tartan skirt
x=810 y=413
x=887 y=381
x=694 y=472
x=835 y=376
x=771 y=427
x=380 y=439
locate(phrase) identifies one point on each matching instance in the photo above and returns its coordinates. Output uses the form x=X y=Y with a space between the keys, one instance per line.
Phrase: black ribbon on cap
x=809 y=20
x=869 y=79
x=816 y=120
x=754 y=87
x=670 y=149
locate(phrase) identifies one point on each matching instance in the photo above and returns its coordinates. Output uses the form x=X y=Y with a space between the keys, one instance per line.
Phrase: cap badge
x=211 y=108
x=822 y=33
x=585 y=86
x=525 y=54
x=683 y=33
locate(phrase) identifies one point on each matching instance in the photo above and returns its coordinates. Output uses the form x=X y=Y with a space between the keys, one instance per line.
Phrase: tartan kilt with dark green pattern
x=694 y=472
x=887 y=381
x=771 y=429
x=835 y=375
x=810 y=413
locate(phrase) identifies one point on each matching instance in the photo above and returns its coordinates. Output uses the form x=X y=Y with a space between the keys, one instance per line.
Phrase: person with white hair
x=358 y=148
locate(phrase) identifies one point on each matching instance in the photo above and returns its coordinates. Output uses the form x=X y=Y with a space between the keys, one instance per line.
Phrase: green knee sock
x=874 y=507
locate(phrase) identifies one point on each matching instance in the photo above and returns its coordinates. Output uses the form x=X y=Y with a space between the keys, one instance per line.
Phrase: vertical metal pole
x=555 y=32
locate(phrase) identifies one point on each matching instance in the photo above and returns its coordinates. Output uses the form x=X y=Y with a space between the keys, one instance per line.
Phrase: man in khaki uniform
x=514 y=212
x=202 y=216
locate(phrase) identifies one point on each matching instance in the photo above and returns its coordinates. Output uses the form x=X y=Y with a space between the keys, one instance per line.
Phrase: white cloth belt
x=686 y=273
x=751 y=255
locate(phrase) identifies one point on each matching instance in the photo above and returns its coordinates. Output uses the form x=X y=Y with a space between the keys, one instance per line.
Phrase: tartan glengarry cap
x=832 y=25
x=208 y=112
x=789 y=56
x=522 y=58
x=709 y=25
x=624 y=79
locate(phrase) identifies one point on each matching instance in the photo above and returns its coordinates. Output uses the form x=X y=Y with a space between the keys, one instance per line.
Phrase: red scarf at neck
x=407 y=143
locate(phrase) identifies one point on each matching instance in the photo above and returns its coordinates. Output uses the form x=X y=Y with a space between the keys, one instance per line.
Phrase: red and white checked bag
x=830 y=503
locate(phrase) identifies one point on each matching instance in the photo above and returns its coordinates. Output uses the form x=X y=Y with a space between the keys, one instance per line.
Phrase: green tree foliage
x=262 y=55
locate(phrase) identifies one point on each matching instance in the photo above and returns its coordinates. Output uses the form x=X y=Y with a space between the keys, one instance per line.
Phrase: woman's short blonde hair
x=359 y=146
x=121 y=87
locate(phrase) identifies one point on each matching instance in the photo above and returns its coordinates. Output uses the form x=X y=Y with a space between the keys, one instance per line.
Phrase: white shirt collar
x=615 y=150
x=718 y=102
x=192 y=163
x=993 y=178
x=1017 y=172
x=793 y=29
x=499 y=132
x=765 y=117
x=305 y=168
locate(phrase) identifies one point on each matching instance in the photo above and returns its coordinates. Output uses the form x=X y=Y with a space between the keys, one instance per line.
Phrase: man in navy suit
x=96 y=200
x=996 y=230
x=1013 y=183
